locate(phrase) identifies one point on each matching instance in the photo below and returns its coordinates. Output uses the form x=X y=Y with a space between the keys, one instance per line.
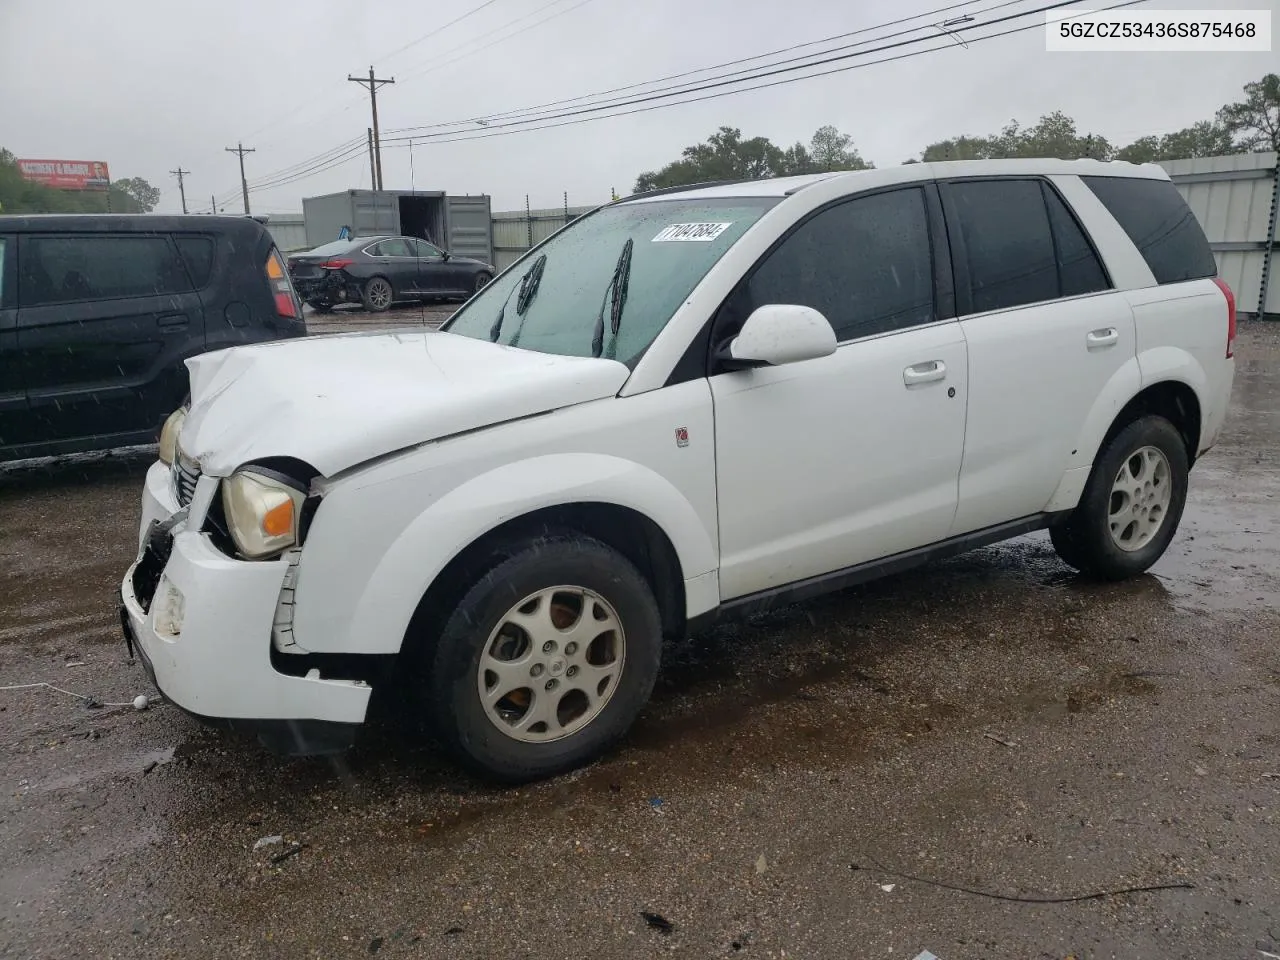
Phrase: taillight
x=1231 y=315
x=281 y=290
x=338 y=264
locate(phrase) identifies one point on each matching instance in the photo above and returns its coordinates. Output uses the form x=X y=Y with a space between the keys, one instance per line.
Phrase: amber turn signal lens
x=278 y=521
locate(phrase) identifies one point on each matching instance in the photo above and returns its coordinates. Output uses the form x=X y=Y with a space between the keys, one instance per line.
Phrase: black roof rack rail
x=661 y=191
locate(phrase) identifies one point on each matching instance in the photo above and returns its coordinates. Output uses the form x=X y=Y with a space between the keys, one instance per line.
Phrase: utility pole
x=241 y=149
x=182 y=192
x=373 y=171
x=213 y=204
x=372 y=83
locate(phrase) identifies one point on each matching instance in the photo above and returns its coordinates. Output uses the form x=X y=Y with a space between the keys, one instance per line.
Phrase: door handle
x=924 y=372
x=1106 y=337
x=174 y=321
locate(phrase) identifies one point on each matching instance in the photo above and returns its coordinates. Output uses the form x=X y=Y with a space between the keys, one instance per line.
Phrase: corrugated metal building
x=288 y=230
x=515 y=231
x=1235 y=199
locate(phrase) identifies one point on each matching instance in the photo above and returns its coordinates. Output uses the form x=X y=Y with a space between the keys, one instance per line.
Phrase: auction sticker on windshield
x=691 y=232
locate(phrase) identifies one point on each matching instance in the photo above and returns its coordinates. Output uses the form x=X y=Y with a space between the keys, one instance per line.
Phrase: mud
x=799 y=786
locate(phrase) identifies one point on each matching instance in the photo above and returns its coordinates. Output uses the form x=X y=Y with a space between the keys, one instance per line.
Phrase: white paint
x=780 y=333
x=828 y=456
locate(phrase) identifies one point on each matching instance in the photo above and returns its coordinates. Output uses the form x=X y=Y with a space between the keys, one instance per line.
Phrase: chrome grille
x=185 y=474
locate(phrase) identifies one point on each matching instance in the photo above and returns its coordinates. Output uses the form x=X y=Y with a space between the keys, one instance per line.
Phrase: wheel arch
x=621 y=502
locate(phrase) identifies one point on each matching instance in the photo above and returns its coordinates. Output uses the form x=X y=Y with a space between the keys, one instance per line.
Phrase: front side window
x=1161 y=225
x=865 y=265
x=1007 y=242
x=69 y=269
x=426 y=251
x=652 y=252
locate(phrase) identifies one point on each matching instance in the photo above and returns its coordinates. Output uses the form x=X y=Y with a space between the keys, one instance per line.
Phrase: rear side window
x=866 y=265
x=1160 y=224
x=71 y=269
x=197 y=254
x=2 y=251
x=1079 y=269
x=1008 y=245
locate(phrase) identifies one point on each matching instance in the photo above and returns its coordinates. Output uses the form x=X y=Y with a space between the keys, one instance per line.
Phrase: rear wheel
x=1132 y=504
x=545 y=662
x=376 y=295
x=482 y=279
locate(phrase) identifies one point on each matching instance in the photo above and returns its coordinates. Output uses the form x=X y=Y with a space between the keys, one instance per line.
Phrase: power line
x=431 y=33
x=409 y=75
x=283 y=174
x=501 y=131
x=758 y=74
x=728 y=63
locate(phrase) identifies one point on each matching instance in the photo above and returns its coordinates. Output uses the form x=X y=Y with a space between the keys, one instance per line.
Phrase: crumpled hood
x=336 y=401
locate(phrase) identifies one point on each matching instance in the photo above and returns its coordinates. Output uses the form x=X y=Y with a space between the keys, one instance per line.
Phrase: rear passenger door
x=1045 y=332
x=398 y=263
x=104 y=325
x=14 y=422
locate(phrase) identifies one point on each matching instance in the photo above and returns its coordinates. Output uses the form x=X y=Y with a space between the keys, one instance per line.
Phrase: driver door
x=435 y=278
x=829 y=463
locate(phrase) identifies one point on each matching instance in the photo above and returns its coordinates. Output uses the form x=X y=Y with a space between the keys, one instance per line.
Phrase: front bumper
x=214 y=660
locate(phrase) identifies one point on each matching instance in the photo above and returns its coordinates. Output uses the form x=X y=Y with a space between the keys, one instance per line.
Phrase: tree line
x=1248 y=125
x=18 y=195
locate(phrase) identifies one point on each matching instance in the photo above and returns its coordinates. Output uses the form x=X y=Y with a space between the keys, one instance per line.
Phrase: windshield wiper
x=617 y=289
x=528 y=288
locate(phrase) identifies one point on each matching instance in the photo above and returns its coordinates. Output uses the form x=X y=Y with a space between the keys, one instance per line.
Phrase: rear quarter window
x=197 y=256
x=1160 y=224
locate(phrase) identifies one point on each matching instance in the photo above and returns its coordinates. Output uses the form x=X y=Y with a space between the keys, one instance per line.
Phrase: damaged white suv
x=684 y=405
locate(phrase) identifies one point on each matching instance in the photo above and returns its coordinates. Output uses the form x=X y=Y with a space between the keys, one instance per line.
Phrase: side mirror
x=444 y=255
x=779 y=333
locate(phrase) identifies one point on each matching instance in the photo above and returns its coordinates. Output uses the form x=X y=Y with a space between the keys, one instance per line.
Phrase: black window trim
x=698 y=361
x=25 y=239
x=959 y=259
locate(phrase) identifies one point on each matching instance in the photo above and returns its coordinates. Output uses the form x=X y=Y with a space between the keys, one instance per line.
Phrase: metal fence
x=515 y=231
x=1235 y=199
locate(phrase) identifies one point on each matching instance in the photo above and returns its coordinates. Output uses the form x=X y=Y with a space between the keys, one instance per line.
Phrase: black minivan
x=99 y=312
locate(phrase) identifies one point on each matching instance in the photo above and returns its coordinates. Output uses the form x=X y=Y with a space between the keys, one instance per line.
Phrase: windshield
x=675 y=243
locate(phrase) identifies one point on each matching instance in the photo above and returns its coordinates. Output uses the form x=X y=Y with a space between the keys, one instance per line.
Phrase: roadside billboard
x=67 y=174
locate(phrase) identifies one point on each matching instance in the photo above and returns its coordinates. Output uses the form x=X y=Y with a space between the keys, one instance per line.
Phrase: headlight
x=262 y=512
x=169 y=435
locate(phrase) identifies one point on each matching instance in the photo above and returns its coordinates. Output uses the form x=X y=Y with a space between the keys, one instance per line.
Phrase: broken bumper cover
x=211 y=655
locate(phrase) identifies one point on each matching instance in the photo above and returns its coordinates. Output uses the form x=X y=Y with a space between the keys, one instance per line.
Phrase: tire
x=1148 y=456
x=320 y=306
x=479 y=633
x=482 y=280
x=376 y=295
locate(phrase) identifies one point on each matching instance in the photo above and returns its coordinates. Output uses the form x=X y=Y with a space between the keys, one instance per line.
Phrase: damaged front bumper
x=201 y=623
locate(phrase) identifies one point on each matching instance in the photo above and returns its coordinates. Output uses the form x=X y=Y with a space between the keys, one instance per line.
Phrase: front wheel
x=376 y=295
x=545 y=662
x=1131 y=504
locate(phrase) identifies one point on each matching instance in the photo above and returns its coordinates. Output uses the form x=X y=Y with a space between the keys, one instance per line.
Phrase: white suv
x=684 y=406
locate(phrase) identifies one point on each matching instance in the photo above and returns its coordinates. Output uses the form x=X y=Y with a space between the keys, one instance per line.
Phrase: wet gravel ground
x=815 y=783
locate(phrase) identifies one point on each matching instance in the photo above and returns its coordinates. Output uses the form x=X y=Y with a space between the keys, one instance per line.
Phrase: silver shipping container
x=459 y=224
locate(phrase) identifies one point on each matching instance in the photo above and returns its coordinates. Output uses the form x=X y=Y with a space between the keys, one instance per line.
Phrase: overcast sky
x=151 y=85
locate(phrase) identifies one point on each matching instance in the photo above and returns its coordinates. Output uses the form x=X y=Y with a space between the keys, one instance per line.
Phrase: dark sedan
x=380 y=271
